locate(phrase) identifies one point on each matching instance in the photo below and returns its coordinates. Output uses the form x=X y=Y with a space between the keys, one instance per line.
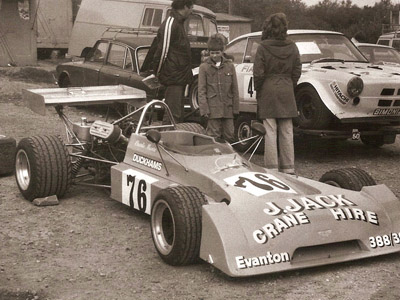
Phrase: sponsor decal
x=148 y=162
x=381 y=241
x=294 y=214
x=146 y=146
x=136 y=190
x=258 y=184
x=247 y=68
x=265 y=260
x=338 y=93
x=386 y=111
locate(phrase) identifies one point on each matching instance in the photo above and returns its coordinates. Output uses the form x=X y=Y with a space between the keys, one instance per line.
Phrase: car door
x=118 y=66
x=94 y=62
x=243 y=53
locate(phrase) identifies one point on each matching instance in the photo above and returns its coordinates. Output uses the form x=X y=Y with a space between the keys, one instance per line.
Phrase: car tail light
x=355 y=86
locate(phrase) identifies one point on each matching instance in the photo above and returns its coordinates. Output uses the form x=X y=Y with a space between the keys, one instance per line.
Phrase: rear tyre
x=42 y=167
x=375 y=141
x=64 y=81
x=192 y=127
x=349 y=178
x=194 y=94
x=176 y=224
x=313 y=114
x=242 y=132
x=7 y=155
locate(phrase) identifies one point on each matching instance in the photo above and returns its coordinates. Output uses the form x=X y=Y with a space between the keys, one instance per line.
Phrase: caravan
x=143 y=17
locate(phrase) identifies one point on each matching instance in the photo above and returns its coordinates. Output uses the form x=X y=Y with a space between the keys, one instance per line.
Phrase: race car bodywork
x=207 y=201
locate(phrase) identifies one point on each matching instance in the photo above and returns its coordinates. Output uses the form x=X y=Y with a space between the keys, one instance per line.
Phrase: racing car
x=205 y=200
x=339 y=94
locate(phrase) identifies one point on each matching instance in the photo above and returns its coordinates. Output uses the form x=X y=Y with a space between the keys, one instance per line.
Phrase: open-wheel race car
x=206 y=200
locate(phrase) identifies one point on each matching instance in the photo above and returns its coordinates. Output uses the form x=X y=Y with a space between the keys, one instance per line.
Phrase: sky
x=359 y=3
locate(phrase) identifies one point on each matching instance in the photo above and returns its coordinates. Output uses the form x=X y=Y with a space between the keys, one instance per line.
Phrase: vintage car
x=380 y=54
x=120 y=57
x=206 y=200
x=340 y=93
x=111 y=61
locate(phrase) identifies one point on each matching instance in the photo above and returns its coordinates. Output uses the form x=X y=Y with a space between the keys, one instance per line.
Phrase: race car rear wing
x=38 y=99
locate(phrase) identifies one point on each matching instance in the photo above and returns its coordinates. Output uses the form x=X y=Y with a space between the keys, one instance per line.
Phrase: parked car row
x=340 y=93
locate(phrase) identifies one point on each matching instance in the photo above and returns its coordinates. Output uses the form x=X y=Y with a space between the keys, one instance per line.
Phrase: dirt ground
x=91 y=247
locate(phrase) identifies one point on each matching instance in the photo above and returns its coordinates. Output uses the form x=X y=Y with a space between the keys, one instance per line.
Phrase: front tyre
x=42 y=167
x=313 y=114
x=348 y=178
x=176 y=224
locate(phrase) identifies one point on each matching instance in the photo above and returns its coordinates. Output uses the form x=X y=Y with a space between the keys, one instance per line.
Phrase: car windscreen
x=380 y=55
x=313 y=47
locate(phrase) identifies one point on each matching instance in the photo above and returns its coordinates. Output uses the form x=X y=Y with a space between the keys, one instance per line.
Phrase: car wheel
x=42 y=167
x=194 y=94
x=242 y=132
x=348 y=178
x=375 y=141
x=64 y=81
x=192 y=127
x=313 y=114
x=7 y=155
x=176 y=224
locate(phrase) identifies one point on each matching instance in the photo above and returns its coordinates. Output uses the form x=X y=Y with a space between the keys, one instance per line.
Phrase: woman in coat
x=277 y=68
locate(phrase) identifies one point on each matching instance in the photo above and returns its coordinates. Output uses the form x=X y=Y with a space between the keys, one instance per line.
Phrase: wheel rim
x=163 y=227
x=22 y=169
x=307 y=108
x=244 y=132
x=331 y=182
x=195 y=98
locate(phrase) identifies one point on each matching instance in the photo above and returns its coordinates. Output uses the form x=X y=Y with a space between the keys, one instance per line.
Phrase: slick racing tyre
x=7 y=155
x=192 y=127
x=176 y=224
x=313 y=114
x=42 y=167
x=349 y=178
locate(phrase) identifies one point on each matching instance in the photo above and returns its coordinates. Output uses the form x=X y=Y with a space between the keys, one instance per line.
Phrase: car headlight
x=355 y=86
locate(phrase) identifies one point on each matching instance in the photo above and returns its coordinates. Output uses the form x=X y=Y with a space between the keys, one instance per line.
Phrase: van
x=391 y=39
x=96 y=17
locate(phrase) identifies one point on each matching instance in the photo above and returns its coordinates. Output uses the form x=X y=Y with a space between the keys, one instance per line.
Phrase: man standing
x=172 y=57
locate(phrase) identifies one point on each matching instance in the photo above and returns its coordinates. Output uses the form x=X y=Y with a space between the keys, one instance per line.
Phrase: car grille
x=325 y=251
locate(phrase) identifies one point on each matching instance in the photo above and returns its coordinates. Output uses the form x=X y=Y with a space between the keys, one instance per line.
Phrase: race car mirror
x=258 y=128
x=153 y=136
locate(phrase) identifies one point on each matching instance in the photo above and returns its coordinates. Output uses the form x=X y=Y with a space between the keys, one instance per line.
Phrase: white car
x=380 y=54
x=340 y=93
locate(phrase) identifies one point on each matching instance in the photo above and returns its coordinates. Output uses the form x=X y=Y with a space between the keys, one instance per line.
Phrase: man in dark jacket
x=277 y=68
x=172 y=58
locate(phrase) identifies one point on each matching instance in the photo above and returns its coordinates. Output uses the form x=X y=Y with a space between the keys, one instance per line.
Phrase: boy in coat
x=218 y=91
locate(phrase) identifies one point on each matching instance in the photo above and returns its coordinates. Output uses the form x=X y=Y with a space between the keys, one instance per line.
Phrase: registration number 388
x=384 y=240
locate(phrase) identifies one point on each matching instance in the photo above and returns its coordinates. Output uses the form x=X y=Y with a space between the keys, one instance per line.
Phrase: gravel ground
x=91 y=247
